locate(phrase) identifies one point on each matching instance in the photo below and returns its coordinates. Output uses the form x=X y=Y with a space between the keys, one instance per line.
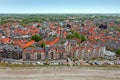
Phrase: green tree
x=83 y=38
x=118 y=52
x=36 y=38
x=72 y=31
x=76 y=33
x=82 y=24
x=69 y=36
x=43 y=44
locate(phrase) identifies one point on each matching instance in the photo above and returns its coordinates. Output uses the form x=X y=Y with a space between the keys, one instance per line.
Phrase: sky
x=59 y=6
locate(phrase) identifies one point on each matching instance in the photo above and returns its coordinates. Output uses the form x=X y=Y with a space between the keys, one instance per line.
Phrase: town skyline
x=60 y=39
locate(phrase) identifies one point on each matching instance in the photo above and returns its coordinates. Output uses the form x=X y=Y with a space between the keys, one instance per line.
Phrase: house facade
x=57 y=53
x=33 y=54
x=42 y=54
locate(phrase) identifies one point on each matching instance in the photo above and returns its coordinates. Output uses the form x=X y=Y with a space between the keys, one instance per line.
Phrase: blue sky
x=59 y=6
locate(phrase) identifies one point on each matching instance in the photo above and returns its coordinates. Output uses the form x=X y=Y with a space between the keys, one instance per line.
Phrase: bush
x=118 y=52
x=36 y=38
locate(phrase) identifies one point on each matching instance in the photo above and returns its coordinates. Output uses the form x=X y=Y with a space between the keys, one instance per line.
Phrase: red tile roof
x=41 y=41
x=28 y=44
x=51 y=43
x=19 y=42
x=5 y=40
x=33 y=50
x=58 y=32
x=19 y=31
x=65 y=34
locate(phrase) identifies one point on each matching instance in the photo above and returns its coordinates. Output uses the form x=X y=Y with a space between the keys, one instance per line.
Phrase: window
x=27 y=56
x=39 y=56
x=60 y=55
x=51 y=55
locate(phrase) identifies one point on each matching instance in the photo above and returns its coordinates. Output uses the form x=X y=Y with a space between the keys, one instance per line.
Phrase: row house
x=11 y=51
x=57 y=53
x=39 y=53
x=87 y=52
x=33 y=54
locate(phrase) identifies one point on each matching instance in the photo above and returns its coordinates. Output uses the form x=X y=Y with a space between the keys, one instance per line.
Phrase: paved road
x=58 y=74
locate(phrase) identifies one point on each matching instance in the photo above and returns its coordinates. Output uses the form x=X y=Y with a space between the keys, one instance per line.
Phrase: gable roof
x=51 y=43
x=28 y=44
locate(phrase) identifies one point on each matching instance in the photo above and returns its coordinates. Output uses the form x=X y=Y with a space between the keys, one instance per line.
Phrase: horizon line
x=59 y=13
